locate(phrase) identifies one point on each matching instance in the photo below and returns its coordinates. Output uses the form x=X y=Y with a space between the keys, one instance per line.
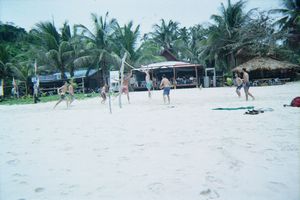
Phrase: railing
x=269 y=81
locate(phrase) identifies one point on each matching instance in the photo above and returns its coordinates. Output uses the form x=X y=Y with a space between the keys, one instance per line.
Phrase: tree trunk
x=231 y=62
x=26 y=88
x=72 y=71
x=62 y=73
x=104 y=72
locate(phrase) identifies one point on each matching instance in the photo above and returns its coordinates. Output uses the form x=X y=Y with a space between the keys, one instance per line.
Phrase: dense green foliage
x=233 y=37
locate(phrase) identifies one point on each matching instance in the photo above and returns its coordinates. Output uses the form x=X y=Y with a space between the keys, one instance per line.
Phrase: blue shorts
x=166 y=90
x=246 y=86
x=239 y=87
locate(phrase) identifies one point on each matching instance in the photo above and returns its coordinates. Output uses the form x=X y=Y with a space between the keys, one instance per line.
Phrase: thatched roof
x=168 y=64
x=265 y=63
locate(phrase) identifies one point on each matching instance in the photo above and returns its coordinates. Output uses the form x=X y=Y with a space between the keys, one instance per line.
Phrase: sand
x=148 y=150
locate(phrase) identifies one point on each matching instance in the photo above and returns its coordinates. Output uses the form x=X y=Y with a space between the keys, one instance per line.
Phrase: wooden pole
x=1 y=88
x=152 y=80
x=82 y=84
x=109 y=102
x=197 y=82
x=121 y=79
x=174 y=78
x=109 y=92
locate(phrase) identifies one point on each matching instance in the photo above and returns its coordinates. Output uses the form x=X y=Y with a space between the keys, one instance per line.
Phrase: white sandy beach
x=148 y=150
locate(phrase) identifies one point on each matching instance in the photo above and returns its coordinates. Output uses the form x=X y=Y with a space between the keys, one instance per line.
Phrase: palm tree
x=46 y=35
x=100 y=44
x=4 y=58
x=165 y=34
x=197 y=34
x=126 y=39
x=56 y=47
x=76 y=48
x=290 y=21
x=5 y=65
x=148 y=52
x=23 y=70
x=222 y=43
x=60 y=58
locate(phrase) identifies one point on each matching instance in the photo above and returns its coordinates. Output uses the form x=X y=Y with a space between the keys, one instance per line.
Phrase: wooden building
x=180 y=74
x=85 y=80
x=264 y=69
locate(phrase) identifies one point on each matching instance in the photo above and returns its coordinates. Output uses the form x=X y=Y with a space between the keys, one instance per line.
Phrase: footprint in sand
x=64 y=193
x=124 y=158
x=209 y=194
x=67 y=148
x=213 y=181
x=100 y=188
x=18 y=175
x=67 y=189
x=96 y=149
x=13 y=162
x=23 y=183
x=236 y=165
x=276 y=186
x=233 y=163
x=156 y=187
x=152 y=130
x=249 y=145
x=12 y=153
x=288 y=147
x=36 y=141
x=139 y=145
x=39 y=189
x=105 y=148
x=88 y=194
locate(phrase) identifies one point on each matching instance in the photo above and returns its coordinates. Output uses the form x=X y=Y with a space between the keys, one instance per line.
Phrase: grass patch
x=29 y=100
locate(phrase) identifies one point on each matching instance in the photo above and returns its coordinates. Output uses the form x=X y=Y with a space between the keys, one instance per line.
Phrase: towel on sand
x=238 y=108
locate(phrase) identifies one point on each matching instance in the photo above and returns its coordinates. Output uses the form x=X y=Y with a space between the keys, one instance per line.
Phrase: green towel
x=238 y=108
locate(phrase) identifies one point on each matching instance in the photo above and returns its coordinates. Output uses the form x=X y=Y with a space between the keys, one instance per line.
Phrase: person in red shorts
x=125 y=86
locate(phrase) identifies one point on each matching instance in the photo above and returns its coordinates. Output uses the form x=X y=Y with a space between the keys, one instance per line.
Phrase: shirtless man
x=239 y=84
x=125 y=85
x=62 y=92
x=246 y=84
x=71 y=93
x=148 y=83
x=166 y=85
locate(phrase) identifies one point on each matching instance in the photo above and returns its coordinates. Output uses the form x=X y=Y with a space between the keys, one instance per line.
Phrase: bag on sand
x=296 y=102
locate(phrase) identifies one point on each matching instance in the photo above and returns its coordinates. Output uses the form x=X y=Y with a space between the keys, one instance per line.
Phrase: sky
x=146 y=13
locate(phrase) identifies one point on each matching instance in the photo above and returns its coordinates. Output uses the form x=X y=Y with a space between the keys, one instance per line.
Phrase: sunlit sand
x=148 y=150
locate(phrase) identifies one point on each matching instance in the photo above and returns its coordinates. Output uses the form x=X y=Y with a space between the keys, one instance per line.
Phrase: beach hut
x=49 y=83
x=264 y=69
x=181 y=74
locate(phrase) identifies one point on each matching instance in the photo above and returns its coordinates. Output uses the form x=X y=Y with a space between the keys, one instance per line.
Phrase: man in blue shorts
x=166 y=85
x=246 y=84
